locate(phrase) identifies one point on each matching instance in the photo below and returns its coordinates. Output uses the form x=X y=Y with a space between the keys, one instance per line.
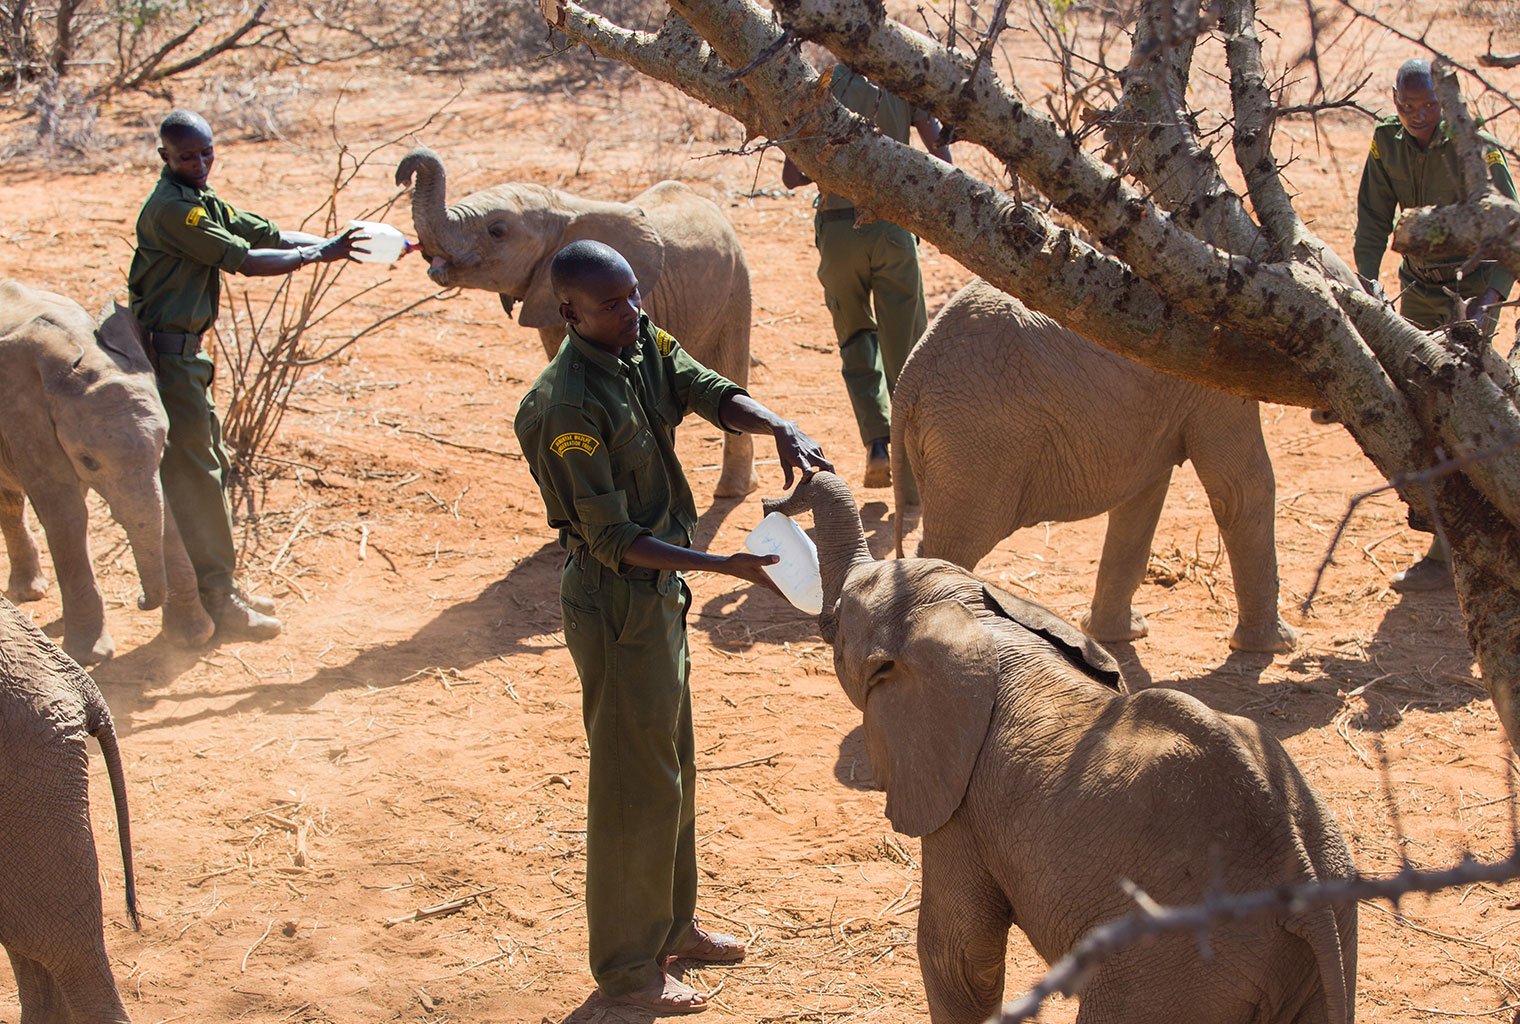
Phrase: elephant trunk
x=429 y=213
x=839 y=534
x=141 y=515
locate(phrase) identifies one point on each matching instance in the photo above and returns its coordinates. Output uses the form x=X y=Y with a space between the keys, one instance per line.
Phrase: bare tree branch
x=1149 y=919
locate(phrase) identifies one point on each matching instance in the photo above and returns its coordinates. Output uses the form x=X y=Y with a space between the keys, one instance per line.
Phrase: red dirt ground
x=415 y=735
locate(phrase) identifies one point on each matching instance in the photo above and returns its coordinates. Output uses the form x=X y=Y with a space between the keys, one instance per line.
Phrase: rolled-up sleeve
x=1376 y=205
x=699 y=389
x=574 y=472
x=188 y=231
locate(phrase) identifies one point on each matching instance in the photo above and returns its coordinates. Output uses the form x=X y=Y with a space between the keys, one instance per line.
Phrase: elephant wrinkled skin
x=50 y=915
x=1004 y=738
x=1009 y=419
x=684 y=252
x=83 y=412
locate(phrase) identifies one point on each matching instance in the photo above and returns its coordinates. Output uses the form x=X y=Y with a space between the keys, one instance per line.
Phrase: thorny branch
x=1067 y=975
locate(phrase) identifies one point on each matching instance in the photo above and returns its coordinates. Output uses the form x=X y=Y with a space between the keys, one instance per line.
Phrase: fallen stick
x=438 y=910
x=267 y=929
x=767 y=759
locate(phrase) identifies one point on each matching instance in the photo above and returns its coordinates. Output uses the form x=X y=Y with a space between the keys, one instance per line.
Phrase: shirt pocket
x=634 y=472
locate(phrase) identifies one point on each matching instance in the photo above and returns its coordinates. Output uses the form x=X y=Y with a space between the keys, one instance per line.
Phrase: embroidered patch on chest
x=574 y=442
x=664 y=341
x=195 y=216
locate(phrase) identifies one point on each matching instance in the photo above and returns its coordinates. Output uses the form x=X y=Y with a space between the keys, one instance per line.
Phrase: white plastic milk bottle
x=797 y=573
x=385 y=243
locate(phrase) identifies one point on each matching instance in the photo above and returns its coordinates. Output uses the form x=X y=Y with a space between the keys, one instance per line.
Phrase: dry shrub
x=255 y=107
x=67 y=119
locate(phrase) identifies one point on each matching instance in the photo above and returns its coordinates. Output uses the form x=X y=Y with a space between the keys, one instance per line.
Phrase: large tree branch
x=1009 y=243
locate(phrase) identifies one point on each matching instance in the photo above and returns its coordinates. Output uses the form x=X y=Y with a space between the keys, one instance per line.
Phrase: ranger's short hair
x=1414 y=73
x=182 y=123
x=581 y=260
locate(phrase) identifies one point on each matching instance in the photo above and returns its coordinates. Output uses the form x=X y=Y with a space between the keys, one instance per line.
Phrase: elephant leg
x=959 y=528
x=65 y=519
x=184 y=616
x=89 y=988
x=1237 y=475
x=738 y=476
x=552 y=338
x=27 y=582
x=42 y=1000
x=1126 y=552
x=963 y=922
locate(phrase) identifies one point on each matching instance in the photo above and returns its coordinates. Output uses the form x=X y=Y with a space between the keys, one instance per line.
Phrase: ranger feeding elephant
x=1009 y=419
x=690 y=266
x=1003 y=737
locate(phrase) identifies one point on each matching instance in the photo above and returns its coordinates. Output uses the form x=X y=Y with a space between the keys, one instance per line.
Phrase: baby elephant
x=1004 y=738
x=50 y=918
x=1009 y=419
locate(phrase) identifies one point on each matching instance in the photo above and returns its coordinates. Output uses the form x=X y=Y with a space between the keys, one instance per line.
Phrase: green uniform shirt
x=892 y=116
x=185 y=238
x=598 y=433
x=1400 y=174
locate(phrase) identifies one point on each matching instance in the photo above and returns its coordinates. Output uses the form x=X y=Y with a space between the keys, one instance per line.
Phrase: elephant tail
x=1331 y=933
x=904 y=488
x=103 y=729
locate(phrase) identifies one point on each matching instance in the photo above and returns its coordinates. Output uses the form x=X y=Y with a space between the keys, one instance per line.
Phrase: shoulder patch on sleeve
x=1494 y=156
x=664 y=341
x=574 y=442
x=195 y=216
x=1374 y=152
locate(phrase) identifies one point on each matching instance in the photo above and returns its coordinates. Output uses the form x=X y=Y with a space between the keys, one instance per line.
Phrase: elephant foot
x=736 y=485
x=1277 y=637
x=1116 y=629
x=27 y=588
x=188 y=625
x=92 y=651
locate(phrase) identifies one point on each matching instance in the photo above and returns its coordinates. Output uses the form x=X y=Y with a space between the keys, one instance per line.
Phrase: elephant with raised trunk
x=1009 y=419
x=1005 y=738
x=82 y=412
x=688 y=261
x=50 y=914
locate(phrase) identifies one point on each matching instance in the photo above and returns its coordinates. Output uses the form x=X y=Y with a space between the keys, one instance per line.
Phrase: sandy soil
x=415 y=735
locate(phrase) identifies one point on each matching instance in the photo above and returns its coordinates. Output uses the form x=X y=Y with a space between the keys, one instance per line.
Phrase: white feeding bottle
x=385 y=243
x=796 y=575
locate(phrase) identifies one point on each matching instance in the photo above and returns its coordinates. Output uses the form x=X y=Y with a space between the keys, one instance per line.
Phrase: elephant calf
x=691 y=269
x=82 y=412
x=1009 y=419
x=1004 y=738
x=50 y=918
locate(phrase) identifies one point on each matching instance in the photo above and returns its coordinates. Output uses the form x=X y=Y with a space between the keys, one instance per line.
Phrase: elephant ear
x=1074 y=645
x=927 y=712
x=120 y=332
x=626 y=228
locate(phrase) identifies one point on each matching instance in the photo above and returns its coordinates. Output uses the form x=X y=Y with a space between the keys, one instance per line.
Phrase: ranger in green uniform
x=1413 y=162
x=598 y=432
x=186 y=236
x=875 y=262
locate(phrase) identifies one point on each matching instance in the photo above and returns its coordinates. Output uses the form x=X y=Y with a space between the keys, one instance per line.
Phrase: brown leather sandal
x=664 y=997
x=706 y=947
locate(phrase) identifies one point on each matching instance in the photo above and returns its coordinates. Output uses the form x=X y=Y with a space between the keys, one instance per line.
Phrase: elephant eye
x=880 y=673
x=88 y=461
x=497 y=229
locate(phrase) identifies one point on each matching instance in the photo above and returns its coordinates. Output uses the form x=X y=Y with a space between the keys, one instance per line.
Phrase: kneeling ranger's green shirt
x=185 y=238
x=598 y=433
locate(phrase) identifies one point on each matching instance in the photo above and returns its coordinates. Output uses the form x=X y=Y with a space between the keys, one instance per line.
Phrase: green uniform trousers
x=628 y=640
x=858 y=267
x=1427 y=306
x=195 y=468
